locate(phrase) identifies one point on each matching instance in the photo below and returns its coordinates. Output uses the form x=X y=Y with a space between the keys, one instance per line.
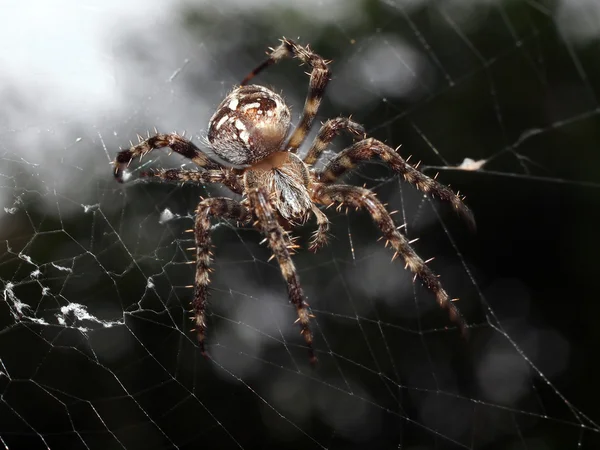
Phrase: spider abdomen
x=250 y=124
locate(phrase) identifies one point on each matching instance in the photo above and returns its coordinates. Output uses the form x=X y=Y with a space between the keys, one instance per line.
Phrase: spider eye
x=249 y=125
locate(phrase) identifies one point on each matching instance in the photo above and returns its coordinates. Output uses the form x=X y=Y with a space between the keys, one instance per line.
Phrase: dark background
x=511 y=84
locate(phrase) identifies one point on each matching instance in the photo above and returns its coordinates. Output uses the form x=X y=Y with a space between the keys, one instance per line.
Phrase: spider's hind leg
x=211 y=207
x=363 y=198
x=278 y=242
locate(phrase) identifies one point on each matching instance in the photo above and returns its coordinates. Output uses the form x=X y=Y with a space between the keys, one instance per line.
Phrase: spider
x=252 y=155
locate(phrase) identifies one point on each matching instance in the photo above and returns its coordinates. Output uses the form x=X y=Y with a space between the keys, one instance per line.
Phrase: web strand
x=95 y=342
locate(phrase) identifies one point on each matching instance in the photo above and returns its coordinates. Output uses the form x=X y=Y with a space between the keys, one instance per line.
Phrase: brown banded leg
x=223 y=176
x=327 y=133
x=319 y=237
x=358 y=197
x=368 y=149
x=279 y=242
x=218 y=207
x=319 y=77
x=177 y=143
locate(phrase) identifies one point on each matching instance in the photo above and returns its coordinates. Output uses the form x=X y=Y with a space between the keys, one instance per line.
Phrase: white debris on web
x=90 y=208
x=112 y=288
x=26 y=258
x=471 y=164
x=15 y=206
x=125 y=176
x=19 y=309
x=73 y=313
x=62 y=268
x=166 y=216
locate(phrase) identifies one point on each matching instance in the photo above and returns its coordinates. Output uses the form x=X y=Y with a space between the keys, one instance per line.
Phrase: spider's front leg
x=329 y=130
x=358 y=197
x=319 y=237
x=219 y=207
x=368 y=149
x=226 y=177
x=319 y=77
x=278 y=242
x=177 y=143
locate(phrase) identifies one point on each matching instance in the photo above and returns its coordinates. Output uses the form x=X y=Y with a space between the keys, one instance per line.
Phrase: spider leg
x=177 y=143
x=319 y=237
x=368 y=149
x=224 y=176
x=319 y=77
x=279 y=242
x=327 y=133
x=358 y=197
x=216 y=207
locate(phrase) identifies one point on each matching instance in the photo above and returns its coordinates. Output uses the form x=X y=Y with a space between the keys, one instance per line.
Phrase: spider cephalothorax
x=256 y=159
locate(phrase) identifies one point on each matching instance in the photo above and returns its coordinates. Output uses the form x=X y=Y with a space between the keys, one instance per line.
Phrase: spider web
x=95 y=349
